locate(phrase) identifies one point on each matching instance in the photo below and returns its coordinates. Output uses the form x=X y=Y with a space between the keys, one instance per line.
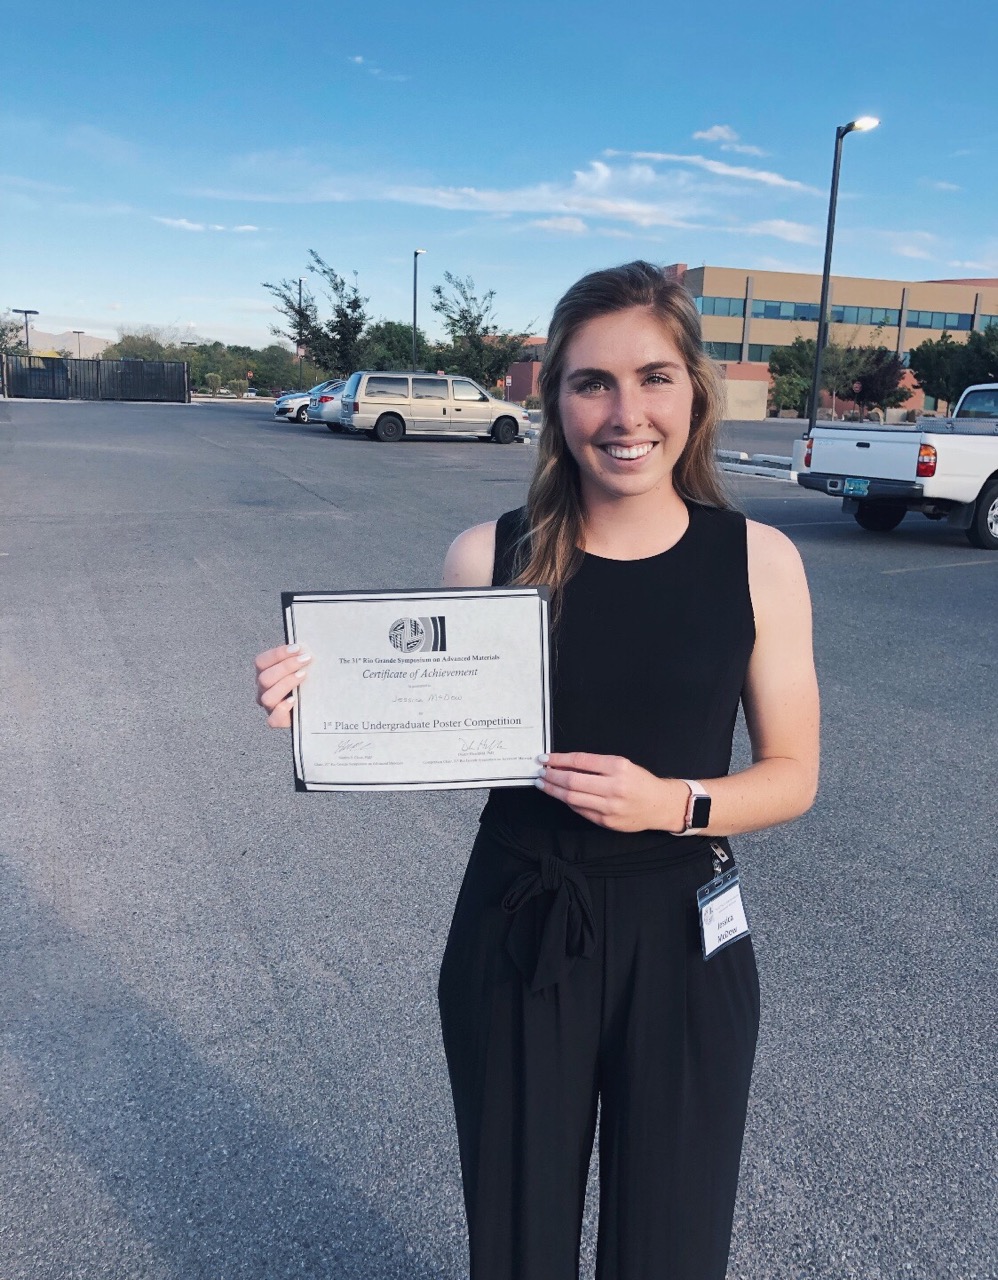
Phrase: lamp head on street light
x=417 y=252
x=863 y=125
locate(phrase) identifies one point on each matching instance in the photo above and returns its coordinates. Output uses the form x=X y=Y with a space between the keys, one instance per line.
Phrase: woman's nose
x=628 y=409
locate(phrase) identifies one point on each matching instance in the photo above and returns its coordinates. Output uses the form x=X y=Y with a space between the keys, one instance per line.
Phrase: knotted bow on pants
x=570 y=977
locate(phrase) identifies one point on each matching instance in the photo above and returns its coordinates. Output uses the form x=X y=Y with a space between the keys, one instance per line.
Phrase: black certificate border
x=543 y=594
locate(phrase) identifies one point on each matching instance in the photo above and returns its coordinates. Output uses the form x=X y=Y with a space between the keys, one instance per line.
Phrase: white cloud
x=16 y=183
x=720 y=169
x=182 y=224
x=716 y=133
x=574 y=226
x=98 y=144
x=781 y=229
x=922 y=245
x=185 y=224
x=944 y=186
x=357 y=58
x=729 y=140
x=744 y=149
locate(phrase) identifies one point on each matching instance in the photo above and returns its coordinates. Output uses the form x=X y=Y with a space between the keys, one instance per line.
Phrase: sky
x=156 y=170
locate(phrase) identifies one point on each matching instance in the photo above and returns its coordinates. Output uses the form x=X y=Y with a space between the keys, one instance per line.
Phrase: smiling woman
x=581 y=966
x=599 y=953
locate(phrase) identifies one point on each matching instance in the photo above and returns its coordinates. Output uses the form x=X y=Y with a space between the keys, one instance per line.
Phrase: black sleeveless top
x=648 y=662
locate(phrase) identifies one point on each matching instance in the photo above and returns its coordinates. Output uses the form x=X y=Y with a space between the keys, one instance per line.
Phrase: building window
x=763 y=309
x=950 y=320
x=759 y=353
x=720 y=306
x=723 y=350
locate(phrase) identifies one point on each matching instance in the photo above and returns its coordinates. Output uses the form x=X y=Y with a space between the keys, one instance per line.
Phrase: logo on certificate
x=412 y=635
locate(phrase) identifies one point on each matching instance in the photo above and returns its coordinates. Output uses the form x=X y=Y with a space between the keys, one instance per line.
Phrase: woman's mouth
x=627 y=453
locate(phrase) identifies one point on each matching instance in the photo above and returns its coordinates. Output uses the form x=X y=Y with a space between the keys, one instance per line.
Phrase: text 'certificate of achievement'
x=412 y=690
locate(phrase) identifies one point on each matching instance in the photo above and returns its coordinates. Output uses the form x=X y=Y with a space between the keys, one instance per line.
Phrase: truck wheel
x=983 y=531
x=504 y=431
x=389 y=428
x=880 y=517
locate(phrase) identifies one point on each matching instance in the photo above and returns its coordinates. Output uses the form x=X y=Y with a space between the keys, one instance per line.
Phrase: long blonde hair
x=555 y=513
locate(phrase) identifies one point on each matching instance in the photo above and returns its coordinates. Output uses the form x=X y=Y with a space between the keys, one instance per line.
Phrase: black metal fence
x=56 y=378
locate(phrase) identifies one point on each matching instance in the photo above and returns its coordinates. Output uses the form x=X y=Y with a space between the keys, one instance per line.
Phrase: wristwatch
x=698 y=809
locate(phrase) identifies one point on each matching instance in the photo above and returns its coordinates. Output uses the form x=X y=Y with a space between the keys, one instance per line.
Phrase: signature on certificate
x=479 y=746
x=351 y=746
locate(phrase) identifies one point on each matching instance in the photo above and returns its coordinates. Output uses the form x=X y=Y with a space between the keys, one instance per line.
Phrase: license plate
x=856 y=488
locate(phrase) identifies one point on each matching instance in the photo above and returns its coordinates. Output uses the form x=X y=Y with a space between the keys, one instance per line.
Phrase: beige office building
x=745 y=314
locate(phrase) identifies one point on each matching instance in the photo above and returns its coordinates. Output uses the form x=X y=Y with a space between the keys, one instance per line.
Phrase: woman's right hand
x=279 y=672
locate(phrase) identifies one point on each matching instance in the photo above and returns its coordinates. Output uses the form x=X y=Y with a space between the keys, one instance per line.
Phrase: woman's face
x=625 y=401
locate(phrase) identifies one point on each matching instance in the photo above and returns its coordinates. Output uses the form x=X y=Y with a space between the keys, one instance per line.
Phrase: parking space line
x=949 y=564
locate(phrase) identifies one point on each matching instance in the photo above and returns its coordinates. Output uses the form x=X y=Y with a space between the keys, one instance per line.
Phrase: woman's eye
x=656 y=378
x=594 y=384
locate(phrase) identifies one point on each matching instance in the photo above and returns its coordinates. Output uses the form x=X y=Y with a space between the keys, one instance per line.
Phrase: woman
x=573 y=973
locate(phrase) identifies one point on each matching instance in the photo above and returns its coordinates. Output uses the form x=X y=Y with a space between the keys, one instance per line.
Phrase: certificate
x=412 y=690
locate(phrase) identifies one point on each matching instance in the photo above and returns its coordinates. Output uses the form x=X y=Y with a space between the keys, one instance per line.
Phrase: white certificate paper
x=412 y=690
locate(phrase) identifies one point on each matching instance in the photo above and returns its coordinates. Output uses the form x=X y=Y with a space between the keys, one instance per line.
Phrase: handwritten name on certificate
x=415 y=690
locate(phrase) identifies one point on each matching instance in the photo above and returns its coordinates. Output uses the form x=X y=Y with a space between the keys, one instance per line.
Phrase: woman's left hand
x=614 y=792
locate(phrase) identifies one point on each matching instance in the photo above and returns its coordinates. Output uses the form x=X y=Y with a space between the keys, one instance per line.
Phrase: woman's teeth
x=633 y=451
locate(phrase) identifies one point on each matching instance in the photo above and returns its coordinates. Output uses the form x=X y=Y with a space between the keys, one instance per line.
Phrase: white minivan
x=389 y=406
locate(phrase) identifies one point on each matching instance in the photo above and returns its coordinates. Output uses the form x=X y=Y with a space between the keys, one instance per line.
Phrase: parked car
x=293 y=405
x=390 y=405
x=946 y=468
x=325 y=407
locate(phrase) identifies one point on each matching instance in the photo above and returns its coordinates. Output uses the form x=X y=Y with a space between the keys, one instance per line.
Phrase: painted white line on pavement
x=950 y=564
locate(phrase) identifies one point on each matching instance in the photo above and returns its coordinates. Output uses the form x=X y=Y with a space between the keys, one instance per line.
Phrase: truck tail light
x=807 y=452
x=926 y=461
x=356 y=406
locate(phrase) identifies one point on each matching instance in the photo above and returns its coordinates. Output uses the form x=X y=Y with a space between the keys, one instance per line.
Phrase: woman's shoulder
x=470 y=557
x=774 y=564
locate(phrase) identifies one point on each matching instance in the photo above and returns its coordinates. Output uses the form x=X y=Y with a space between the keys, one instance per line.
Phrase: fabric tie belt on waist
x=545 y=949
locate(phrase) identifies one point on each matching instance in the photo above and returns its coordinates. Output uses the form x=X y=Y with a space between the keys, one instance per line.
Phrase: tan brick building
x=745 y=314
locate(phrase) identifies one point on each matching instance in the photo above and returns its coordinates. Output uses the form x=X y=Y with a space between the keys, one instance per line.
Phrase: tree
x=840 y=367
x=938 y=367
x=481 y=349
x=333 y=344
x=791 y=369
x=790 y=391
x=11 y=340
x=879 y=376
x=387 y=344
x=213 y=381
x=148 y=343
x=981 y=359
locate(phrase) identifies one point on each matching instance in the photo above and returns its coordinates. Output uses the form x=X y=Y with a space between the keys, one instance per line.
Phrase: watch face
x=701 y=812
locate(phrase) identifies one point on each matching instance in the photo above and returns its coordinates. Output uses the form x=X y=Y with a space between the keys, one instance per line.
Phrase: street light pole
x=25 y=311
x=415 y=261
x=862 y=125
x=301 y=281
x=79 y=333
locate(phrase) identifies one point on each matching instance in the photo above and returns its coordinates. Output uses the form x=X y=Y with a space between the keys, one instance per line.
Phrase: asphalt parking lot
x=220 y=1052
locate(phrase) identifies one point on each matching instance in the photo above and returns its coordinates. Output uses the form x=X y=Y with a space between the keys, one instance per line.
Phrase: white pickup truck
x=947 y=468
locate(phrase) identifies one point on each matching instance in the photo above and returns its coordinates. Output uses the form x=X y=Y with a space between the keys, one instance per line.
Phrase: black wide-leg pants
x=663 y=1039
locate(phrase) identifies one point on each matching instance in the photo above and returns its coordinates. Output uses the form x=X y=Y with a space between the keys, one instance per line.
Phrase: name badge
x=722 y=913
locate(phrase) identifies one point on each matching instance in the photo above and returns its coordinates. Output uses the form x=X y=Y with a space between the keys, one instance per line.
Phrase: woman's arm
x=781 y=710
x=780 y=697
x=468 y=562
